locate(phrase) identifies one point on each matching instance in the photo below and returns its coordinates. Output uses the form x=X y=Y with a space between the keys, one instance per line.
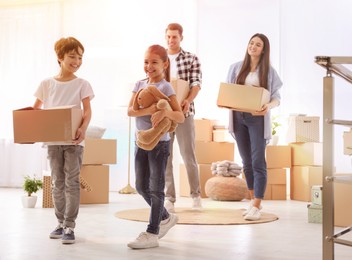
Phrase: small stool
x=226 y=188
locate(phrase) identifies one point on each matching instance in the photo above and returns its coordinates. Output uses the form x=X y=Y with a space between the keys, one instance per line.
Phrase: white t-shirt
x=54 y=93
x=173 y=66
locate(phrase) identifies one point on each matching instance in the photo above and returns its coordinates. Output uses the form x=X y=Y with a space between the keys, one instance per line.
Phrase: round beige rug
x=213 y=216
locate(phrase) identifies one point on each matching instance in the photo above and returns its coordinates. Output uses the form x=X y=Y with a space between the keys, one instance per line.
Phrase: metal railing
x=337 y=66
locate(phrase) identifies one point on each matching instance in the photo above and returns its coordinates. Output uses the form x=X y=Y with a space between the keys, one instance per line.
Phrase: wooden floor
x=100 y=235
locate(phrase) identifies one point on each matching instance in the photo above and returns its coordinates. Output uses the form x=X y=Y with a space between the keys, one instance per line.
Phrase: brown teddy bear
x=148 y=139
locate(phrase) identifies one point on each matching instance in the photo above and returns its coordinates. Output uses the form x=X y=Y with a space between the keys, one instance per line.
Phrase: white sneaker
x=253 y=214
x=166 y=224
x=197 y=203
x=249 y=208
x=144 y=240
x=169 y=206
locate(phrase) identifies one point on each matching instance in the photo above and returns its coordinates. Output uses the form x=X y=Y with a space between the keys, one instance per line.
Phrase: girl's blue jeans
x=150 y=169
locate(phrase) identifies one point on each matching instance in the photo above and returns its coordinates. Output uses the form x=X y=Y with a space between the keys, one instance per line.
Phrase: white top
x=252 y=79
x=54 y=93
x=173 y=66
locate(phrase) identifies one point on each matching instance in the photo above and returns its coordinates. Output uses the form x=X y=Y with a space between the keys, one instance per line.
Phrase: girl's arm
x=140 y=112
x=87 y=115
x=175 y=115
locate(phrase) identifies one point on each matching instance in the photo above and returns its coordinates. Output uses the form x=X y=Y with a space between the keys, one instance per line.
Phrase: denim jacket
x=274 y=85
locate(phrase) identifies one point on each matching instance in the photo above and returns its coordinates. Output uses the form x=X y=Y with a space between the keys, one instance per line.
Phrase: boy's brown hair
x=65 y=45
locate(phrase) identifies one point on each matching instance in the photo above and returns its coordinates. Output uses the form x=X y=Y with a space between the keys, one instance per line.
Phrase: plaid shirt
x=189 y=69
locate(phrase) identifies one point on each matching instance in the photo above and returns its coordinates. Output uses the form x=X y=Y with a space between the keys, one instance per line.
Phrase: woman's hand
x=265 y=109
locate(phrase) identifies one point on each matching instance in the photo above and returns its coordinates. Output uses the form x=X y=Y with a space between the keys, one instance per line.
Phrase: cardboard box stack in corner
x=278 y=160
x=207 y=151
x=307 y=153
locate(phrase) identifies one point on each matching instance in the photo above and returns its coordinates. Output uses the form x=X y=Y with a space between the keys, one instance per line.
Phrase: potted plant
x=30 y=185
x=274 y=127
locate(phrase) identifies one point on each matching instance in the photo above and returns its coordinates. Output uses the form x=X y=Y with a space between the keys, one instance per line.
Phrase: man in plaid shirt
x=183 y=65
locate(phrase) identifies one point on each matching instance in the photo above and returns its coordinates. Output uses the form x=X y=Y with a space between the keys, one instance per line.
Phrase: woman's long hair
x=264 y=63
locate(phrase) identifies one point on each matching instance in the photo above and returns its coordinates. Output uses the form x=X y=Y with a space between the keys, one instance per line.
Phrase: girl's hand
x=157 y=117
x=152 y=109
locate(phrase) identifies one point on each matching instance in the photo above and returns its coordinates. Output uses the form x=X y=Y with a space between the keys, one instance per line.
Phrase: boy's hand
x=80 y=135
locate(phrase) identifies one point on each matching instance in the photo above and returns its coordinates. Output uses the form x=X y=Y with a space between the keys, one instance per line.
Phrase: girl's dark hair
x=162 y=53
x=65 y=45
x=264 y=63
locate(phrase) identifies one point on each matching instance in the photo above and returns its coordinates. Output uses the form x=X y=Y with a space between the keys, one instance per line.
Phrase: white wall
x=116 y=34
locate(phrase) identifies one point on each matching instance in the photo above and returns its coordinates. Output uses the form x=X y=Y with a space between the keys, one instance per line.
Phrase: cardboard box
x=347 y=142
x=278 y=156
x=302 y=179
x=97 y=177
x=276 y=185
x=209 y=152
x=181 y=88
x=304 y=154
x=276 y=176
x=343 y=202
x=46 y=125
x=303 y=129
x=222 y=135
x=204 y=175
x=315 y=213
x=100 y=151
x=317 y=194
x=204 y=129
x=241 y=97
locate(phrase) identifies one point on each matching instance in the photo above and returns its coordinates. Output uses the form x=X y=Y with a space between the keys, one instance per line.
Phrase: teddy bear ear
x=157 y=93
x=135 y=101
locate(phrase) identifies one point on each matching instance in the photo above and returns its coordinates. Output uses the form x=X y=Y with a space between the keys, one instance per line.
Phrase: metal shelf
x=333 y=65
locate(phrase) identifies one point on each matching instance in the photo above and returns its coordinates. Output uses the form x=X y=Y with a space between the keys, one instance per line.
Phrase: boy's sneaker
x=253 y=214
x=144 y=240
x=58 y=232
x=69 y=236
x=197 y=203
x=169 y=206
x=249 y=208
x=166 y=224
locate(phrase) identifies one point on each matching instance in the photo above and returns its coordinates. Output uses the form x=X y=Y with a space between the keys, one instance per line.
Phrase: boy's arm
x=87 y=115
x=37 y=104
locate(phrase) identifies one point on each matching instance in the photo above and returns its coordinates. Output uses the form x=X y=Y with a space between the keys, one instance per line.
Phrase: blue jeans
x=249 y=134
x=65 y=163
x=150 y=169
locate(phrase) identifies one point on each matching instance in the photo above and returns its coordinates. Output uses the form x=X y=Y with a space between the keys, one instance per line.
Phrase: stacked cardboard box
x=343 y=201
x=98 y=153
x=307 y=153
x=94 y=178
x=207 y=151
x=278 y=160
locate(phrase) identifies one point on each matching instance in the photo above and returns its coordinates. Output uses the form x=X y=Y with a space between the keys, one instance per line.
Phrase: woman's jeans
x=65 y=163
x=249 y=134
x=150 y=169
